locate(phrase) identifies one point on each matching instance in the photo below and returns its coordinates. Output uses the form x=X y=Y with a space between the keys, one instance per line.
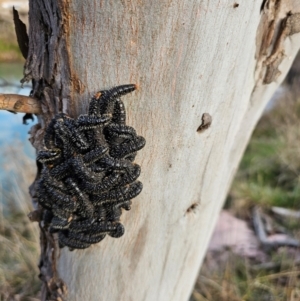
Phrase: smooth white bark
x=188 y=58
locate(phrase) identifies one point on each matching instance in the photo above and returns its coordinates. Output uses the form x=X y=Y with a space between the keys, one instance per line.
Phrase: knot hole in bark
x=206 y=122
x=193 y=208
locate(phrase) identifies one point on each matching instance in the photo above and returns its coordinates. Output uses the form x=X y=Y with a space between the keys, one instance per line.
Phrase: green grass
x=11 y=71
x=9 y=51
x=269 y=173
x=9 y=46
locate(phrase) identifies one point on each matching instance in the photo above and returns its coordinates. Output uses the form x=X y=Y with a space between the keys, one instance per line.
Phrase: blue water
x=12 y=128
x=13 y=133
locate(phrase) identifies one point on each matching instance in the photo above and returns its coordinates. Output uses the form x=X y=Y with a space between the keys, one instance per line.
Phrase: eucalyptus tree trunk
x=205 y=71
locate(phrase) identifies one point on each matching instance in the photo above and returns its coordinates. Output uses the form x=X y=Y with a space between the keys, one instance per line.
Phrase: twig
x=286 y=213
x=262 y=236
x=259 y=226
x=20 y=104
x=281 y=274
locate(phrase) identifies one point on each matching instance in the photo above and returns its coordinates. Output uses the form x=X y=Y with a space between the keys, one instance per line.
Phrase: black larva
x=88 y=172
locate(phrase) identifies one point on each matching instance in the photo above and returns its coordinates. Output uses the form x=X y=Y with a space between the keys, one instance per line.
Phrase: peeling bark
x=21 y=34
x=48 y=67
x=48 y=61
x=280 y=20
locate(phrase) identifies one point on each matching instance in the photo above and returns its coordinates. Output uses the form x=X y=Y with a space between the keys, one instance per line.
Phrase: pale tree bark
x=188 y=57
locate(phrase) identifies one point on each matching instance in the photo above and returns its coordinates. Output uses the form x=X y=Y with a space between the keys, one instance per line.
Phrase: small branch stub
x=20 y=104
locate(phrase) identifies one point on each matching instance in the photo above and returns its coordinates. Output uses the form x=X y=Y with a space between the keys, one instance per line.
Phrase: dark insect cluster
x=88 y=174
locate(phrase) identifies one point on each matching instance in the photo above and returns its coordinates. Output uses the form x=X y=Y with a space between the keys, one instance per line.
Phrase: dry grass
x=19 y=237
x=227 y=277
x=269 y=173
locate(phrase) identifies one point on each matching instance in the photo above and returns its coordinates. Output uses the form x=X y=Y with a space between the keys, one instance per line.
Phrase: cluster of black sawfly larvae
x=88 y=173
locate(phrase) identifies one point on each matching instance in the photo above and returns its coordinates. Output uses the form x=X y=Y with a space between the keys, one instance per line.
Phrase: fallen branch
x=262 y=235
x=286 y=213
x=20 y=104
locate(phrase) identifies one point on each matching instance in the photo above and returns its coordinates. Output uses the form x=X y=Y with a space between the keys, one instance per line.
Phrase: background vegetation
x=19 y=237
x=9 y=50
